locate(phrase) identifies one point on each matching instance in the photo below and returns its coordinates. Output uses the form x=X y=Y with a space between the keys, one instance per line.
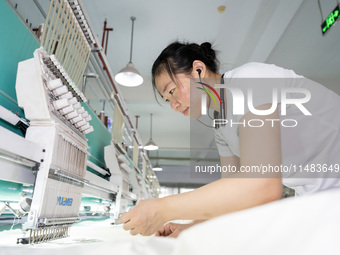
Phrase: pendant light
x=151 y=146
x=157 y=167
x=129 y=76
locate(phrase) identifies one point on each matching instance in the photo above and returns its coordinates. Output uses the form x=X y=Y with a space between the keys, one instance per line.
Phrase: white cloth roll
x=89 y=130
x=86 y=126
x=54 y=84
x=71 y=115
x=60 y=91
x=73 y=100
x=66 y=110
x=81 y=110
x=76 y=119
x=80 y=123
x=77 y=105
x=68 y=95
x=60 y=103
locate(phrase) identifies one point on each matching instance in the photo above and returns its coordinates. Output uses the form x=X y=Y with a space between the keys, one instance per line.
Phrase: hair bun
x=207 y=50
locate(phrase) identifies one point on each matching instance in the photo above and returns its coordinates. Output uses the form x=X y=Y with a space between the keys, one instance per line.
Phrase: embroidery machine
x=50 y=174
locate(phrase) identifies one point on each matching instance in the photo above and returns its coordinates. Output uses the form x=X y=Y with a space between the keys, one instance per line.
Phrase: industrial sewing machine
x=47 y=174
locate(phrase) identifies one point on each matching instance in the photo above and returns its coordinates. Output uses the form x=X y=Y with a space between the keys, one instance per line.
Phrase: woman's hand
x=172 y=229
x=146 y=217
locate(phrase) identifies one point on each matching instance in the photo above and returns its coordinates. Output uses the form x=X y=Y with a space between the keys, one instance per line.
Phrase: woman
x=309 y=147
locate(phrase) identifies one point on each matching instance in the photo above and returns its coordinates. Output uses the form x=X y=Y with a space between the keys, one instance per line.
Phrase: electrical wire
x=208 y=96
x=320 y=11
x=202 y=84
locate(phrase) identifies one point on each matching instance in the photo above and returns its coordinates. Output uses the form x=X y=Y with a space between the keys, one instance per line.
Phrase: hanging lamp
x=129 y=75
x=151 y=145
x=157 y=167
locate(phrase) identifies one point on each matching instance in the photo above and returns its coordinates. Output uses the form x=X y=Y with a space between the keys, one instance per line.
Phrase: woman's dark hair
x=178 y=58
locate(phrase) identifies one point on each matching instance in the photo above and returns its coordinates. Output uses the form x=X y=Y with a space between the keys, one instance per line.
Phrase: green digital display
x=330 y=20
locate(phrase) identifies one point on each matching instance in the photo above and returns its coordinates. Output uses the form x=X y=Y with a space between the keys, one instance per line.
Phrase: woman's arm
x=261 y=146
x=220 y=197
x=257 y=146
x=229 y=161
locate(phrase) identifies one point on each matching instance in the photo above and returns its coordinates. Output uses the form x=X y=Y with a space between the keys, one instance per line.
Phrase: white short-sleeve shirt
x=313 y=142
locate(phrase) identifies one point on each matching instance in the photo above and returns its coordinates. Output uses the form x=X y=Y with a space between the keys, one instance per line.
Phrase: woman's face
x=178 y=94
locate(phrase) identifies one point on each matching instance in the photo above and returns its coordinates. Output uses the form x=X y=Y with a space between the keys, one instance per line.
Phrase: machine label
x=64 y=201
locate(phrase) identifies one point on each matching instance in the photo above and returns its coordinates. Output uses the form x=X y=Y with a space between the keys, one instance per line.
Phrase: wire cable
x=199 y=75
x=320 y=11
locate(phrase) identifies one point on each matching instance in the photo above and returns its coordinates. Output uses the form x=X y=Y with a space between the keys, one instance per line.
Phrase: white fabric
x=305 y=225
x=316 y=138
x=308 y=225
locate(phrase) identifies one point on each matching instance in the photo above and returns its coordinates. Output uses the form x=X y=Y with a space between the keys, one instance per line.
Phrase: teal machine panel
x=97 y=140
x=17 y=44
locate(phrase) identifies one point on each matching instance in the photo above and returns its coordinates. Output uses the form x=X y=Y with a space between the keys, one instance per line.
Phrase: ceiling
x=283 y=32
